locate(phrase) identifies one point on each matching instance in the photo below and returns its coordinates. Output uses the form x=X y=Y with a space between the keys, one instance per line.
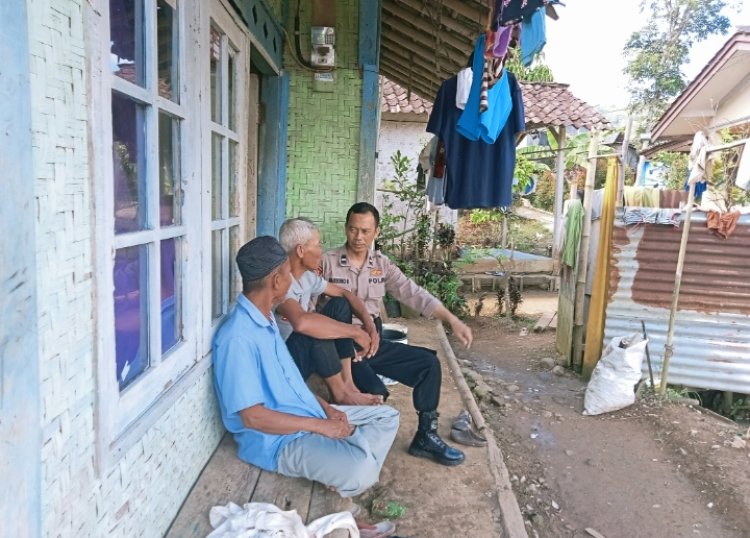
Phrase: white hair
x=297 y=231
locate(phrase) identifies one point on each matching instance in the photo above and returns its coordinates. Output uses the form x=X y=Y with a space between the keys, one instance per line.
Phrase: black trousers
x=414 y=366
x=323 y=357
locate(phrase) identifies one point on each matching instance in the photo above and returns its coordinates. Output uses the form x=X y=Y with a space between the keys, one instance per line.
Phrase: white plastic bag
x=615 y=376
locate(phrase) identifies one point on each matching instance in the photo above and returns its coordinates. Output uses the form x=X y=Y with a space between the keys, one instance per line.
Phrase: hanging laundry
x=502 y=40
x=722 y=224
x=697 y=159
x=465 y=78
x=479 y=174
x=468 y=123
x=515 y=10
x=573 y=228
x=533 y=36
x=492 y=72
x=474 y=123
x=492 y=120
x=432 y=159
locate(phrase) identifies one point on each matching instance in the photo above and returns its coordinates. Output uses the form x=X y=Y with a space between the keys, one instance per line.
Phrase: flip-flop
x=382 y=529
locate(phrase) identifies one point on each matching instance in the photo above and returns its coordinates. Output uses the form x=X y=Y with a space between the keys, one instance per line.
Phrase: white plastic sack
x=615 y=376
x=263 y=520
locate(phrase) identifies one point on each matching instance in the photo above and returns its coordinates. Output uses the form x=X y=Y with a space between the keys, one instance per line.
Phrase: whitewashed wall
x=409 y=137
x=141 y=493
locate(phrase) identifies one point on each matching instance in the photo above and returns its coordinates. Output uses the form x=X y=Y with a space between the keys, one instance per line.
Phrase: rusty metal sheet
x=712 y=331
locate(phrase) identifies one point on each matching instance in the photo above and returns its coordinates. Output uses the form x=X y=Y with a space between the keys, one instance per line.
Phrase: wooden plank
x=456 y=27
x=547 y=321
x=324 y=502
x=461 y=41
x=410 y=35
x=225 y=478
x=420 y=59
x=286 y=493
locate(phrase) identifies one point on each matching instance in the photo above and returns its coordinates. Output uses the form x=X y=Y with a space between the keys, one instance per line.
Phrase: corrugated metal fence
x=712 y=331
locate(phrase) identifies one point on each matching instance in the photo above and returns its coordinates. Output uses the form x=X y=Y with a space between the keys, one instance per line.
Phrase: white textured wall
x=409 y=138
x=140 y=494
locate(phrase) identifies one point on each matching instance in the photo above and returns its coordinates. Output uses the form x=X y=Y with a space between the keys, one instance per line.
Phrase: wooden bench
x=226 y=478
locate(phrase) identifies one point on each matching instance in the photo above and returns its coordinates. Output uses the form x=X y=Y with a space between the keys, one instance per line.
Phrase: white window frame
x=122 y=417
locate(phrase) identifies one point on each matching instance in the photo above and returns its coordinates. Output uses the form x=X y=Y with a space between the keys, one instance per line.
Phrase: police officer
x=369 y=274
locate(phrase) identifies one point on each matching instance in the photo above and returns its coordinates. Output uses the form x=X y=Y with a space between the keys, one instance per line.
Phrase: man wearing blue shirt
x=276 y=420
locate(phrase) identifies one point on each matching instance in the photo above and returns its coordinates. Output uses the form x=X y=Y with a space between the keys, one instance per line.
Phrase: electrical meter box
x=322 y=46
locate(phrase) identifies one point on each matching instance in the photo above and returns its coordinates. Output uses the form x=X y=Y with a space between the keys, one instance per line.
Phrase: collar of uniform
x=344 y=258
x=253 y=311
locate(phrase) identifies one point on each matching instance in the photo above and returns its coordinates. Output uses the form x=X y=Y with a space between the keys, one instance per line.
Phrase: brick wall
x=323 y=141
x=140 y=494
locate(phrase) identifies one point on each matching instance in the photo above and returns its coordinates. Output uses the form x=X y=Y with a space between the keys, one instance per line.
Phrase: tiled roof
x=552 y=104
x=396 y=99
x=545 y=104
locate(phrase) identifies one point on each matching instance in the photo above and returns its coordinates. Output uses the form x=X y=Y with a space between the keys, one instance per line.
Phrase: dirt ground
x=650 y=470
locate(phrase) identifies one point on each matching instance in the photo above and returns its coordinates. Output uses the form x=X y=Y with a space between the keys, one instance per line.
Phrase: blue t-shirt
x=252 y=366
x=479 y=174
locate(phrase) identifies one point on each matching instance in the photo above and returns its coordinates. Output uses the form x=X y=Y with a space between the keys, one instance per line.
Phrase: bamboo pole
x=583 y=252
x=668 y=350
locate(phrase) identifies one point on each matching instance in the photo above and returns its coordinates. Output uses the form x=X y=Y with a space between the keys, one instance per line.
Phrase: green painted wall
x=323 y=139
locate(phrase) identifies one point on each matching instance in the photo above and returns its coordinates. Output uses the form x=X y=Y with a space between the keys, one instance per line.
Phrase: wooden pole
x=623 y=162
x=583 y=252
x=559 y=194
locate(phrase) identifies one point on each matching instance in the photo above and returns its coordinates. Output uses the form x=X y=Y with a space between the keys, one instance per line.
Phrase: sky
x=584 y=47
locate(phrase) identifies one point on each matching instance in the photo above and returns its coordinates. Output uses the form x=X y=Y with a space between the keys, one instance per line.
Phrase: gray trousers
x=352 y=464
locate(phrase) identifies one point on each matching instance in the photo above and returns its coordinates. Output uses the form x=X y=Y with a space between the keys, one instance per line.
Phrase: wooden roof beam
x=415 y=36
x=422 y=63
x=463 y=44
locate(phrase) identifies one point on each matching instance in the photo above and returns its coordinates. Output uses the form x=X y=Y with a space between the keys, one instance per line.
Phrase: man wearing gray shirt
x=323 y=343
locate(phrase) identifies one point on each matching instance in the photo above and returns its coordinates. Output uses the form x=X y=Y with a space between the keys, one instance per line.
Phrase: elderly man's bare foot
x=358 y=398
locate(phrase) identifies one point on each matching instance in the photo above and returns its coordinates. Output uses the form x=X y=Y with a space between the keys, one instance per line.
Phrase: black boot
x=428 y=444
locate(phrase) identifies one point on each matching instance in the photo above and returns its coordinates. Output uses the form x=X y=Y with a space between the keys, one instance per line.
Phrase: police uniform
x=414 y=366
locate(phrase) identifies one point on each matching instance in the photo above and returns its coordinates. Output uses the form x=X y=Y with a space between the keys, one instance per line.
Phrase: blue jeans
x=352 y=464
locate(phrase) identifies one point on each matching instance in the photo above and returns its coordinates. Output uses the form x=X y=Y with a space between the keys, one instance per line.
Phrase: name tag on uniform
x=338 y=280
x=376 y=280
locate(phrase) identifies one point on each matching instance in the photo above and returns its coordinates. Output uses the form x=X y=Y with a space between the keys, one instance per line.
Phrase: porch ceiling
x=424 y=42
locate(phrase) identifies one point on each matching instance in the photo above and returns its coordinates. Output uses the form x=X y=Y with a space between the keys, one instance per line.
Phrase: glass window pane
x=217 y=293
x=234 y=195
x=127 y=40
x=168 y=51
x=231 y=81
x=235 y=279
x=131 y=313
x=171 y=296
x=216 y=191
x=169 y=170
x=129 y=163
x=215 y=54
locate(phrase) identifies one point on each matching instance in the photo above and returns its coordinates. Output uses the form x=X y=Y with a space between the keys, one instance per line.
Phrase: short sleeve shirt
x=305 y=291
x=376 y=277
x=479 y=174
x=252 y=366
